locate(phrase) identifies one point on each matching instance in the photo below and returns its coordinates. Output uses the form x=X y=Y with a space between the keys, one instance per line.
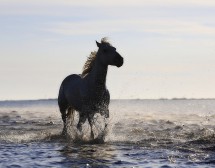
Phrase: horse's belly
x=74 y=101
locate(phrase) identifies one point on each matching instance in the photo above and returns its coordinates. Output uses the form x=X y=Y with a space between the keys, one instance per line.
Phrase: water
x=141 y=133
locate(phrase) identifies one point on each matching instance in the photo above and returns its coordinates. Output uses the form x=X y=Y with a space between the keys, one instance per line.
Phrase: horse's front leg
x=91 y=122
x=82 y=119
x=106 y=117
x=105 y=113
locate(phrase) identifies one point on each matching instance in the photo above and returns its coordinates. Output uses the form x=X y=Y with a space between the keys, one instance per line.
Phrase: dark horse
x=87 y=93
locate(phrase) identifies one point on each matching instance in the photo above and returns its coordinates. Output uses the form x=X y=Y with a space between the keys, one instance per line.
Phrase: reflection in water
x=89 y=155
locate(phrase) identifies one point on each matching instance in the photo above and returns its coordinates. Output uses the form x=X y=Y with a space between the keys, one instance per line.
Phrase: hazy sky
x=168 y=46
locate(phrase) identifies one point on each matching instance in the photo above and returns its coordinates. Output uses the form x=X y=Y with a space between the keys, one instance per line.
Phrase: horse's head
x=108 y=55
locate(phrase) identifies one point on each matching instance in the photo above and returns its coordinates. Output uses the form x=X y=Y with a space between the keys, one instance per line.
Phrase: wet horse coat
x=87 y=93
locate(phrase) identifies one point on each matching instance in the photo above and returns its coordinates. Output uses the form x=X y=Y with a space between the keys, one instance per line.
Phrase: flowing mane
x=91 y=58
x=89 y=63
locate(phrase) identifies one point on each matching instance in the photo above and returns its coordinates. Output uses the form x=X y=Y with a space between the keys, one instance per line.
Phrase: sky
x=168 y=46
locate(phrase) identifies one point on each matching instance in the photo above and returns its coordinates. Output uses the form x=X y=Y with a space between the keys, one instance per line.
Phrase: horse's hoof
x=79 y=128
x=63 y=135
x=92 y=135
x=92 y=138
x=64 y=132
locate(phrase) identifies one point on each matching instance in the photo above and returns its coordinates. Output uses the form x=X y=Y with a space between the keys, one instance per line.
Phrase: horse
x=86 y=93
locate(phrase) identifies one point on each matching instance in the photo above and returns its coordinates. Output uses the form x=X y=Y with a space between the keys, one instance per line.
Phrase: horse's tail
x=62 y=103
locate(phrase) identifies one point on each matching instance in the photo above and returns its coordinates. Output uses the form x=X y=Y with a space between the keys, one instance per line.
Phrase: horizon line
x=174 y=98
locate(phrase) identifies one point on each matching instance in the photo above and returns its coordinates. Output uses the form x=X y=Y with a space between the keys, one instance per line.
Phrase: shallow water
x=141 y=133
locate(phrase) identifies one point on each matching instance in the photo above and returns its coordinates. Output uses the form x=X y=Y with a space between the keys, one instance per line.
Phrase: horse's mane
x=91 y=58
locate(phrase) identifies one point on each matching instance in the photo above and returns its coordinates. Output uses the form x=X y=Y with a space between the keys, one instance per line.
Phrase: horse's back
x=70 y=78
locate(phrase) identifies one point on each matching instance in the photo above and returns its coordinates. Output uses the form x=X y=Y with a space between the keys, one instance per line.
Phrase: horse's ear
x=98 y=44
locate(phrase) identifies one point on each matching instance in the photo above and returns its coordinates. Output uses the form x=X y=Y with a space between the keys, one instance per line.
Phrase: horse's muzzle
x=119 y=61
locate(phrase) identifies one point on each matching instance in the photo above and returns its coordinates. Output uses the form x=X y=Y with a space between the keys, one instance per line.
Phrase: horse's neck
x=98 y=75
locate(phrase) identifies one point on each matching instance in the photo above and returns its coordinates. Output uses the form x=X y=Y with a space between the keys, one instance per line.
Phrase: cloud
x=162 y=27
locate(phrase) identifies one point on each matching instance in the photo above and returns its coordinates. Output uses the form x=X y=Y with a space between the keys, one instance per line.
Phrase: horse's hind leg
x=91 y=122
x=67 y=119
x=63 y=107
x=63 y=115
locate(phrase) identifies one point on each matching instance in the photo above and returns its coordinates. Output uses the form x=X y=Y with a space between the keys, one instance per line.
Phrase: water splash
x=100 y=130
